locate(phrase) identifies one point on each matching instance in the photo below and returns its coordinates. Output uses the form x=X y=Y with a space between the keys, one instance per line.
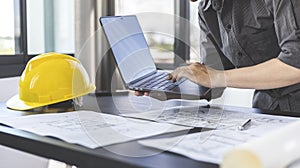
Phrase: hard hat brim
x=16 y=103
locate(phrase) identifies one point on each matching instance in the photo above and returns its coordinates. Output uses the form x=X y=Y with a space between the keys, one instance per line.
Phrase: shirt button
x=228 y=27
x=217 y=5
x=285 y=52
x=240 y=54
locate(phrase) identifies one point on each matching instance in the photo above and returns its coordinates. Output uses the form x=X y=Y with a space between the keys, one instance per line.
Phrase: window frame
x=13 y=65
x=182 y=30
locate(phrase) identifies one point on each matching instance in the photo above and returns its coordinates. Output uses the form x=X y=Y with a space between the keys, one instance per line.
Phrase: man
x=259 y=44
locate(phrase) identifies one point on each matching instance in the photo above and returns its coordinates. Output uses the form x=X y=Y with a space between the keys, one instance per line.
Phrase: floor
x=9 y=87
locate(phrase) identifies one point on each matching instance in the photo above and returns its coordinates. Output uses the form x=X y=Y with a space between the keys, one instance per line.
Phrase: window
x=157 y=20
x=37 y=26
x=33 y=27
x=7 y=32
x=12 y=37
x=50 y=25
x=166 y=27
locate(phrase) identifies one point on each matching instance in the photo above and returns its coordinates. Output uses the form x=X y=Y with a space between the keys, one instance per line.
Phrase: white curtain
x=91 y=46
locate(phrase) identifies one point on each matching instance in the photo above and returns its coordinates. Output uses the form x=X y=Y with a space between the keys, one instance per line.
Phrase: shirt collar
x=205 y=4
x=217 y=5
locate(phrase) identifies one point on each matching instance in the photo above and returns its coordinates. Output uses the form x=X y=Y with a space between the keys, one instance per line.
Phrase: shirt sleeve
x=286 y=21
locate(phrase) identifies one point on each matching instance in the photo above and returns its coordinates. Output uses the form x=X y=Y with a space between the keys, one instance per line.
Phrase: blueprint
x=215 y=118
x=211 y=146
x=88 y=128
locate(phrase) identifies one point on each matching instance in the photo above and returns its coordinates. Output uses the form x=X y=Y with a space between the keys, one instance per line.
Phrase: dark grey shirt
x=249 y=32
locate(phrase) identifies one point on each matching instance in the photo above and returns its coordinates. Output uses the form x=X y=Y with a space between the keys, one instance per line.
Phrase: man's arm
x=268 y=75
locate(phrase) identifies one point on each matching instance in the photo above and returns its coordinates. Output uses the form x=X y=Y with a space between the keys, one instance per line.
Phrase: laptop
x=136 y=65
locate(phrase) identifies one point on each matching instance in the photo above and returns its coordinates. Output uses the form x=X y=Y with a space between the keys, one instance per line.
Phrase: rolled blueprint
x=277 y=149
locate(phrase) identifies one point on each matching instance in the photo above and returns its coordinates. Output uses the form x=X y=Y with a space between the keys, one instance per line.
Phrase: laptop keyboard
x=157 y=81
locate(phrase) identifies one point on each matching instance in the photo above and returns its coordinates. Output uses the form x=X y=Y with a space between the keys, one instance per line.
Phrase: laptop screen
x=129 y=46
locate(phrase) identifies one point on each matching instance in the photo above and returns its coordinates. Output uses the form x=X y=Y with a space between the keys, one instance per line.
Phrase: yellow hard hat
x=50 y=78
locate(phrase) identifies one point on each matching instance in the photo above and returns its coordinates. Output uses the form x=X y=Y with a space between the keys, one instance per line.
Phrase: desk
x=102 y=157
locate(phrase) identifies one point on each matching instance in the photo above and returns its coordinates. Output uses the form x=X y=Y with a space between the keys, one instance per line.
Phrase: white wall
x=236 y=97
x=9 y=88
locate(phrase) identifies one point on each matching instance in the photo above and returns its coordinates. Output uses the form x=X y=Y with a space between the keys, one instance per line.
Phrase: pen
x=245 y=124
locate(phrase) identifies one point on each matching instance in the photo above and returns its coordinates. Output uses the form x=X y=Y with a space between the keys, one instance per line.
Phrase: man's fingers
x=170 y=77
x=174 y=76
x=138 y=93
x=180 y=74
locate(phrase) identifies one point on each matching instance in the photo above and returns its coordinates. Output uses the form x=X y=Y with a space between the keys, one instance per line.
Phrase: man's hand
x=267 y=75
x=196 y=72
x=200 y=74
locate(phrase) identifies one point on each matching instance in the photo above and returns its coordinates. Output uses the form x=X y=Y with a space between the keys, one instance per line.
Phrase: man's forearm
x=268 y=75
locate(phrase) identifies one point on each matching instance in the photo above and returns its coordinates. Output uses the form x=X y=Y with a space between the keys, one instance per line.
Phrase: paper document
x=277 y=149
x=195 y=116
x=210 y=146
x=90 y=129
